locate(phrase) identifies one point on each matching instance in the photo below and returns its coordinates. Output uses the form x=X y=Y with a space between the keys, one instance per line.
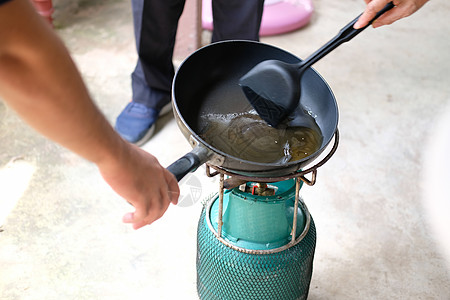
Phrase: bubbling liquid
x=246 y=136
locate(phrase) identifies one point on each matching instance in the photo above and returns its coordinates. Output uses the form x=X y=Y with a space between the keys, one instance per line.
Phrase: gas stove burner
x=259 y=189
x=257 y=192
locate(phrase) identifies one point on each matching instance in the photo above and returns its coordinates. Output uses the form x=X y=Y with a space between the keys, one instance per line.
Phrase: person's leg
x=155 y=26
x=236 y=19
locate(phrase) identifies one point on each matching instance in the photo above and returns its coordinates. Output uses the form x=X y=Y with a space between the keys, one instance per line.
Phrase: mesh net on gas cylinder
x=227 y=274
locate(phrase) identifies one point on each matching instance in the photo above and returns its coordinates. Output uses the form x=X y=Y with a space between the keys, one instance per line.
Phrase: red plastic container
x=45 y=9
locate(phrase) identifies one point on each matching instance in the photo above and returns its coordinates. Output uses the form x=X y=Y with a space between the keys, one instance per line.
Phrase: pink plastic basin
x=278 y=17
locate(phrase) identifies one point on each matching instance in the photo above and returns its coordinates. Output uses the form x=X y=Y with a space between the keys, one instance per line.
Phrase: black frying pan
x=207 y=82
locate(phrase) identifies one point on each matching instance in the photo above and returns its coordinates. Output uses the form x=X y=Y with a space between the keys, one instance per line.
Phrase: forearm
x=39 y=80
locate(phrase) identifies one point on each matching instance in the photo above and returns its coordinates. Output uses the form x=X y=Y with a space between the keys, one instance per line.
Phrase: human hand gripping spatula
x=273 y=87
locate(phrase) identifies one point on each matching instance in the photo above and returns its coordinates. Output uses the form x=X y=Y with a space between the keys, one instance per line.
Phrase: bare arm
x=402 y=9
x=39 y=80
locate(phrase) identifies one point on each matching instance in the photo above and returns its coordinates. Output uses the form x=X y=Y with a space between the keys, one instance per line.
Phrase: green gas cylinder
x=255 y=256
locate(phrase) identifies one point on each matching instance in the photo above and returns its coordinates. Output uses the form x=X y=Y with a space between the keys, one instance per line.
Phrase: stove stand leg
x=219 y=217
x=294 y=222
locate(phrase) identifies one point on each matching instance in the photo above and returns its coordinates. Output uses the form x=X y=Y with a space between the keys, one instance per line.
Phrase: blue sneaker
x=136 y=123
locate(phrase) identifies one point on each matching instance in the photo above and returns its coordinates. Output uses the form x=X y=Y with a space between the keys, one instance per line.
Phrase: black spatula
x=273 y=87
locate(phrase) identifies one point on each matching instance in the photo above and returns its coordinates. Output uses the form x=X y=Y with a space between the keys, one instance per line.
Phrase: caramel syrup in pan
x=246 y=136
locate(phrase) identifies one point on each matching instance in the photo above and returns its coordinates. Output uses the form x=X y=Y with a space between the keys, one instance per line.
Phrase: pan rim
x=268 y=166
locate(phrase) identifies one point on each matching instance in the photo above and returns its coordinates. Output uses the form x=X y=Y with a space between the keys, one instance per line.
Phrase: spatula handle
x=344 y=35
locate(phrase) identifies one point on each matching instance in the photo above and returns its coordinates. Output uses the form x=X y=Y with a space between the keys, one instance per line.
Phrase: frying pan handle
x=189 y=162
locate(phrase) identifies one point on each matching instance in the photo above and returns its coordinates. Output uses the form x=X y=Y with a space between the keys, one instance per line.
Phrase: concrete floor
x=377 y=203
